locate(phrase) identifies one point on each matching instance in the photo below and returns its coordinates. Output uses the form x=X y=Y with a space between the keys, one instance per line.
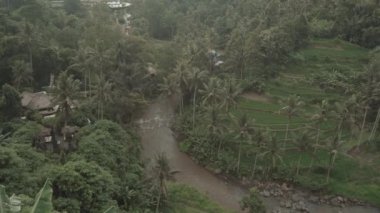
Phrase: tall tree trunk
x=239 y=156
x=17 y=85
x=102 y=110
x=315 y=148
x=158 y=202
x=89 y=84
x=30 y=56
x=194 y=105
x=219 y=147
x=362 y=127
x=254 y=166
x=85 y=83
x=273 y=163
x=375 y=126
x=66 y=111
x=286 y=134
x=331 y=165
x=298 y=164
x=181 y=105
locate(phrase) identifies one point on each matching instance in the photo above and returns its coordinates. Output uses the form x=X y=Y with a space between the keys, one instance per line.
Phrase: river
x=157 y=137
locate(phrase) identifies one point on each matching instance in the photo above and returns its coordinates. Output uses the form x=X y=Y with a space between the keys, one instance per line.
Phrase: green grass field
x=320 y=56
x=184 y=199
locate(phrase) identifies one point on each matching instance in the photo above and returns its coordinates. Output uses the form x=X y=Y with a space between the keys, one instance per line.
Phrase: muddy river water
x=157 y=137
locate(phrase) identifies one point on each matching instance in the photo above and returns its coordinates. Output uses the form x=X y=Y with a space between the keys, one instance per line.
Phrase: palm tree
x=169 y=86
x=302 y=145
x=162 y=173
x=101 y=57
x=65 y=92
x=22 y=73
x=82 y=62
x=272 y=152
x=102 y=95
x=318 y=118
x=345 y=114
x=195 y=78
x=215 y=126
x=27 y=37
x=239 y=49
x=231 y=92
x=261 y=139
x=244 y=130
x=370 y=95
x=333 y=147
x=366 y=108
x=211 y=92
x=375 y=126
x=293 y=105
x=181 y=79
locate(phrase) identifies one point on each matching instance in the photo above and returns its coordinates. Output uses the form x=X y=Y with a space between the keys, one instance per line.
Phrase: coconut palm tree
x=239 y=49
x=26 y=39
x=65 y=92
x=181 y=75
x=272 y=152
x=215 y=126
x=162 y=173
x=375 y=126
x=22 y=73
x=211 y=92
x=345 y=113
x=195 y=79
x=293 y=106
x=101 y=57
x=260 y=138
x=169 y=86
x=362 y=126
x=244 y=130
x=102 y=95
x=82 y=62
x=230 y=94
x=302 y=143
x=333 y=146
x=320 y=116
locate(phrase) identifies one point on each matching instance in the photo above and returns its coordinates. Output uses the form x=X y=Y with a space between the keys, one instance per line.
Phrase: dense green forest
x=278 y=90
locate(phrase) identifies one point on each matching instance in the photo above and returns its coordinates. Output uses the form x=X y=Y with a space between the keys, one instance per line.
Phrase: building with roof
x=39 y=101
x=118 y=4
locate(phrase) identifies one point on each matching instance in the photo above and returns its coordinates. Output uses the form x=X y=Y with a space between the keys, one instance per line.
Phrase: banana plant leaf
x=4 y=200
x=43 y=203
x=112 y=209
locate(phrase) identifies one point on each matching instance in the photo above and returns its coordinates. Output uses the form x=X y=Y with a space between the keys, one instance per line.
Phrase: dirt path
x=157 y=137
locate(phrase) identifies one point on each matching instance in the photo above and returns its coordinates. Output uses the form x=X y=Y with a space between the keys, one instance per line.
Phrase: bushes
x=254 y=85
x=321 y=28
x=185 y=199
x=106 y=143
x=252 y=202
x=85 y=183
x=10 y=103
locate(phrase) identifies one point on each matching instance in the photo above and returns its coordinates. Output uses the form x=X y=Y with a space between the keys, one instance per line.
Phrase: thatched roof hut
x=36 y=101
